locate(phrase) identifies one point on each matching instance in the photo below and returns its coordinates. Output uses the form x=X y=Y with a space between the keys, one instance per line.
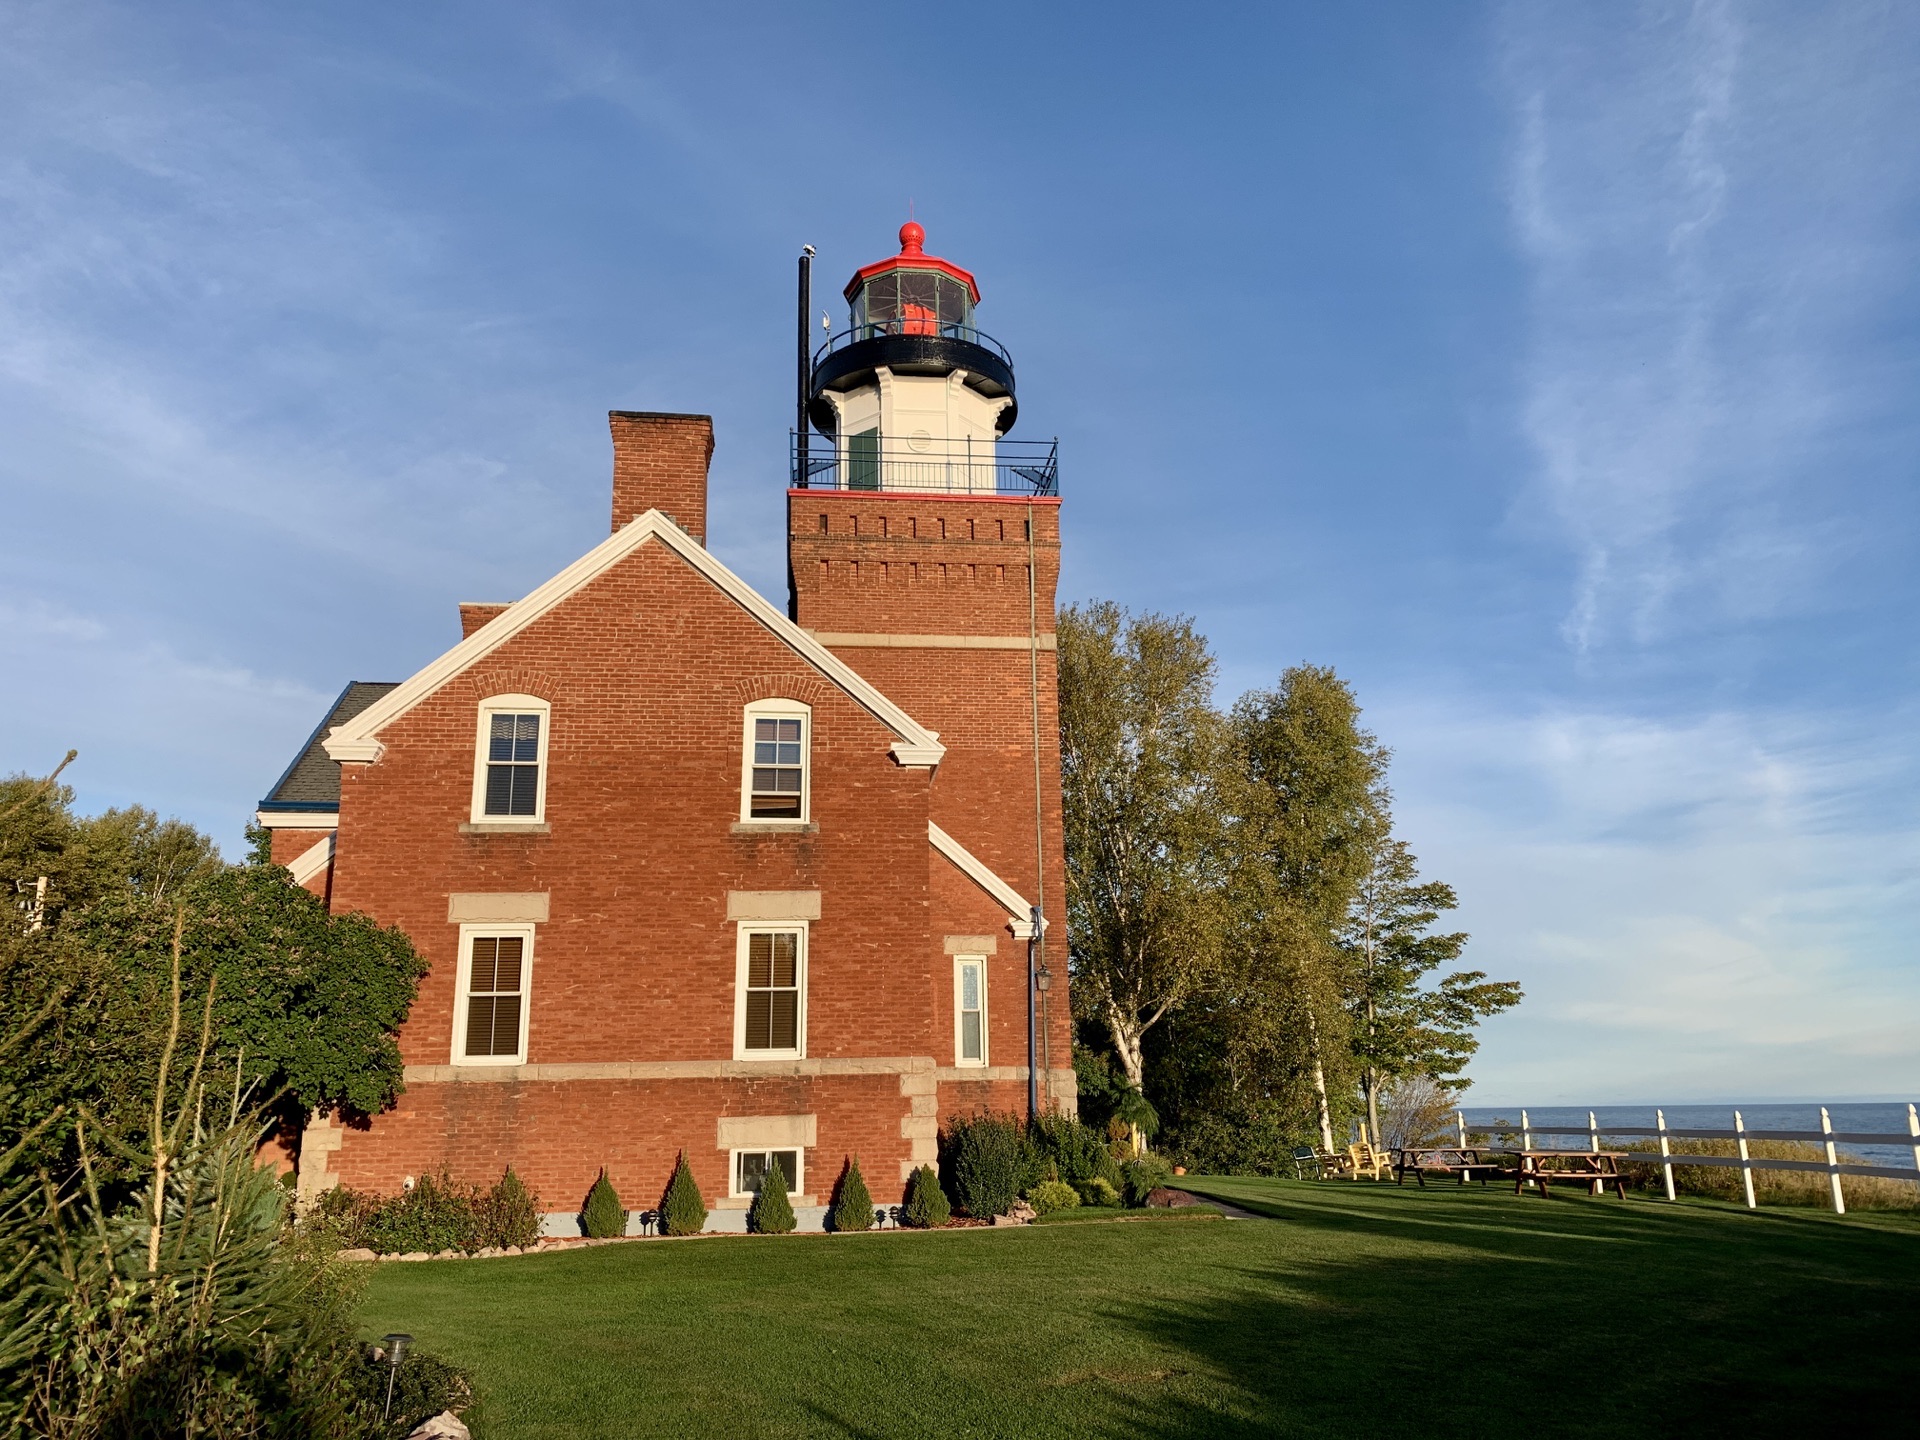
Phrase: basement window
x=751 y=1168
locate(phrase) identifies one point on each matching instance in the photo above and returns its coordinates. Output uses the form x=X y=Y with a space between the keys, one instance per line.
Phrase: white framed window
x=750 y=1169
x=490 y=1010
x=770 y=991
x=775 y=786
x=969 y=1010
x=510 y=761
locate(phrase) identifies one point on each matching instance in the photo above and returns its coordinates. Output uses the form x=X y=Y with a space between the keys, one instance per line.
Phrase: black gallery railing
x=919 y=464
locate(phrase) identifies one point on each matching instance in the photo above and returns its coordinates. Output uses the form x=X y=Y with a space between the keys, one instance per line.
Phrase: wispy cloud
x=1694 y=907
x=1708 y=234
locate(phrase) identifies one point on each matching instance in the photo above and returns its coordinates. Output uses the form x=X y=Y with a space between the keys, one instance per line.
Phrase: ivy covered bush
x=603 y=1217
x=436 y=1214
x=927 y=1206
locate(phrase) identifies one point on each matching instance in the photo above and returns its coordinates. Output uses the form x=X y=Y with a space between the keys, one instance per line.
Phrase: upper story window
x=770 y=1015
x=510 y=766
x=775 y=783
x=970 y=1010
x=490 y=1011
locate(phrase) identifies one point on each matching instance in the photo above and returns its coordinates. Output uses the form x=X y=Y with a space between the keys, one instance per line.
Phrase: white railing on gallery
x=1832 y=1166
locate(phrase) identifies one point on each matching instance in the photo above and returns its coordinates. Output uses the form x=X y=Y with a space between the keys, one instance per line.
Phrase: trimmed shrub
x=772 y=1212
x=603 y=1217
x=510 y=1213
x=1078 y=1153
x=1140 y=1178
x=852 y=1205
x=1051 y=1195
x=682 y=1211
x=988 y=1160
x=435 y=1215
x=927 y=1207
x=1098 y=1191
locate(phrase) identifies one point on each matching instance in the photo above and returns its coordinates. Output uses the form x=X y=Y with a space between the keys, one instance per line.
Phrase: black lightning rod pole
x=804 y=380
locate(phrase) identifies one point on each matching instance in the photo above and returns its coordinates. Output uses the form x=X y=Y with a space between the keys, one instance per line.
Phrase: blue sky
x=1549 y=370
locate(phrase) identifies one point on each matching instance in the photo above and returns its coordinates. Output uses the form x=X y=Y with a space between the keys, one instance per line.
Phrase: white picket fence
x=1833 y=1167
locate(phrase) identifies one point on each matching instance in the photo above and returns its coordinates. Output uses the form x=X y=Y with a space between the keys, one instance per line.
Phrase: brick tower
x=924 y=550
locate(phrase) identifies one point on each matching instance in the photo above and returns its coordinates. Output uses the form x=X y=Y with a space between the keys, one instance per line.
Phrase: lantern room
x=912 y=395
x=913 y=293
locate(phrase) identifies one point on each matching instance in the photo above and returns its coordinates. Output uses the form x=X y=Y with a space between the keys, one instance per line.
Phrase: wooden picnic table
x=1463 y=1162
x=1595 y=1169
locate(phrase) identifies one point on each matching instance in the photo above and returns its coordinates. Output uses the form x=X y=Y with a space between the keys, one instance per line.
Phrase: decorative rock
x=416 y=1255
x=512 y=1250
x=1021 y=1211
x=1166 y=1199
x=447 y=1255
x=1000 y=1220
x=444 y=1426
x=358 y=1253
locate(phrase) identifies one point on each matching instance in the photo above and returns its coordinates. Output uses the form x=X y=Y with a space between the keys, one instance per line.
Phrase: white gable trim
x=310 y=862
x=356 y=740
x=1019 y=909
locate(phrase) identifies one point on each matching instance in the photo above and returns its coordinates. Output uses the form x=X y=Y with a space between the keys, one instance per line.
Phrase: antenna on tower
x=803 y=366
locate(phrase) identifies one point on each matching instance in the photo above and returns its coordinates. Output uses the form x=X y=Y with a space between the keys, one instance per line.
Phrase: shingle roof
x=312 y=781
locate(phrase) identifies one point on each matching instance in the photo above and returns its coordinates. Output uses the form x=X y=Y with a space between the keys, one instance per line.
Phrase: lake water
x=1886 y=1118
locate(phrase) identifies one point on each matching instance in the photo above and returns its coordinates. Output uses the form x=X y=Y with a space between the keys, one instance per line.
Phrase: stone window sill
x=497 y=827
x=775 y=827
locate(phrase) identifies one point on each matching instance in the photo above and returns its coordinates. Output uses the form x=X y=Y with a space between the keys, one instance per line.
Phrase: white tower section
x=911 y=397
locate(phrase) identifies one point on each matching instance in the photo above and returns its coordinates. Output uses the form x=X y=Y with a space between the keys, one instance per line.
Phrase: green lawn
x=1358 y=1309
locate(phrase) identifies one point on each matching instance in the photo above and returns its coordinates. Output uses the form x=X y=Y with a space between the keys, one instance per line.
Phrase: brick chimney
x=660 y=463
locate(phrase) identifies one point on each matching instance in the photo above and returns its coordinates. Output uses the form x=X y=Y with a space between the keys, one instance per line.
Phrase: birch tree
x=1142 y=754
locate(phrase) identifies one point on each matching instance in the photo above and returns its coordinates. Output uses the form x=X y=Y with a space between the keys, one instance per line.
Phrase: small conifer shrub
x=510 y=1213
x=1051 y=1195
x=1098 y=1191
x=927 y=1206
x=603 y=1217
x=853 y=1206
x=772 y=1212
x=683 y=1212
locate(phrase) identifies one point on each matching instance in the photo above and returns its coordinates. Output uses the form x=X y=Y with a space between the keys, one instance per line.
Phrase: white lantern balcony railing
x=919 y=464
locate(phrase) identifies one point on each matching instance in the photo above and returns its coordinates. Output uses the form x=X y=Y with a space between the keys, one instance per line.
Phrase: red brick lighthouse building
x=696 y=874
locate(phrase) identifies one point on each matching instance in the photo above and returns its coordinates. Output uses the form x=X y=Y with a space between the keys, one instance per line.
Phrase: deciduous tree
x=1142 y=751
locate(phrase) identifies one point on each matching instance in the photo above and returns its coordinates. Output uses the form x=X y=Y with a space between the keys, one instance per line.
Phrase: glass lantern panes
x=773 y=991
x=495 y=990
x=778 y=769
x=513 y=765
x=914 y=302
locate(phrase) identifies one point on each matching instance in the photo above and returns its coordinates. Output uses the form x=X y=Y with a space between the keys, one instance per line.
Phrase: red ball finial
x=911 y=238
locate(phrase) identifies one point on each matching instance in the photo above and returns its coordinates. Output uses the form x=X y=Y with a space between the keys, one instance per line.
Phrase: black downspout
x=804 y=366
x=1033 y=1059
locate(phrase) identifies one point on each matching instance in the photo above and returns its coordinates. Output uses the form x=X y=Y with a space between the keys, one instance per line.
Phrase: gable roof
x=1019 y=911
x=356 y=738
x=312 y=781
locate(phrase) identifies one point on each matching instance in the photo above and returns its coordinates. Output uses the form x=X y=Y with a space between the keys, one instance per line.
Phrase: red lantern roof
x=911 y=257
